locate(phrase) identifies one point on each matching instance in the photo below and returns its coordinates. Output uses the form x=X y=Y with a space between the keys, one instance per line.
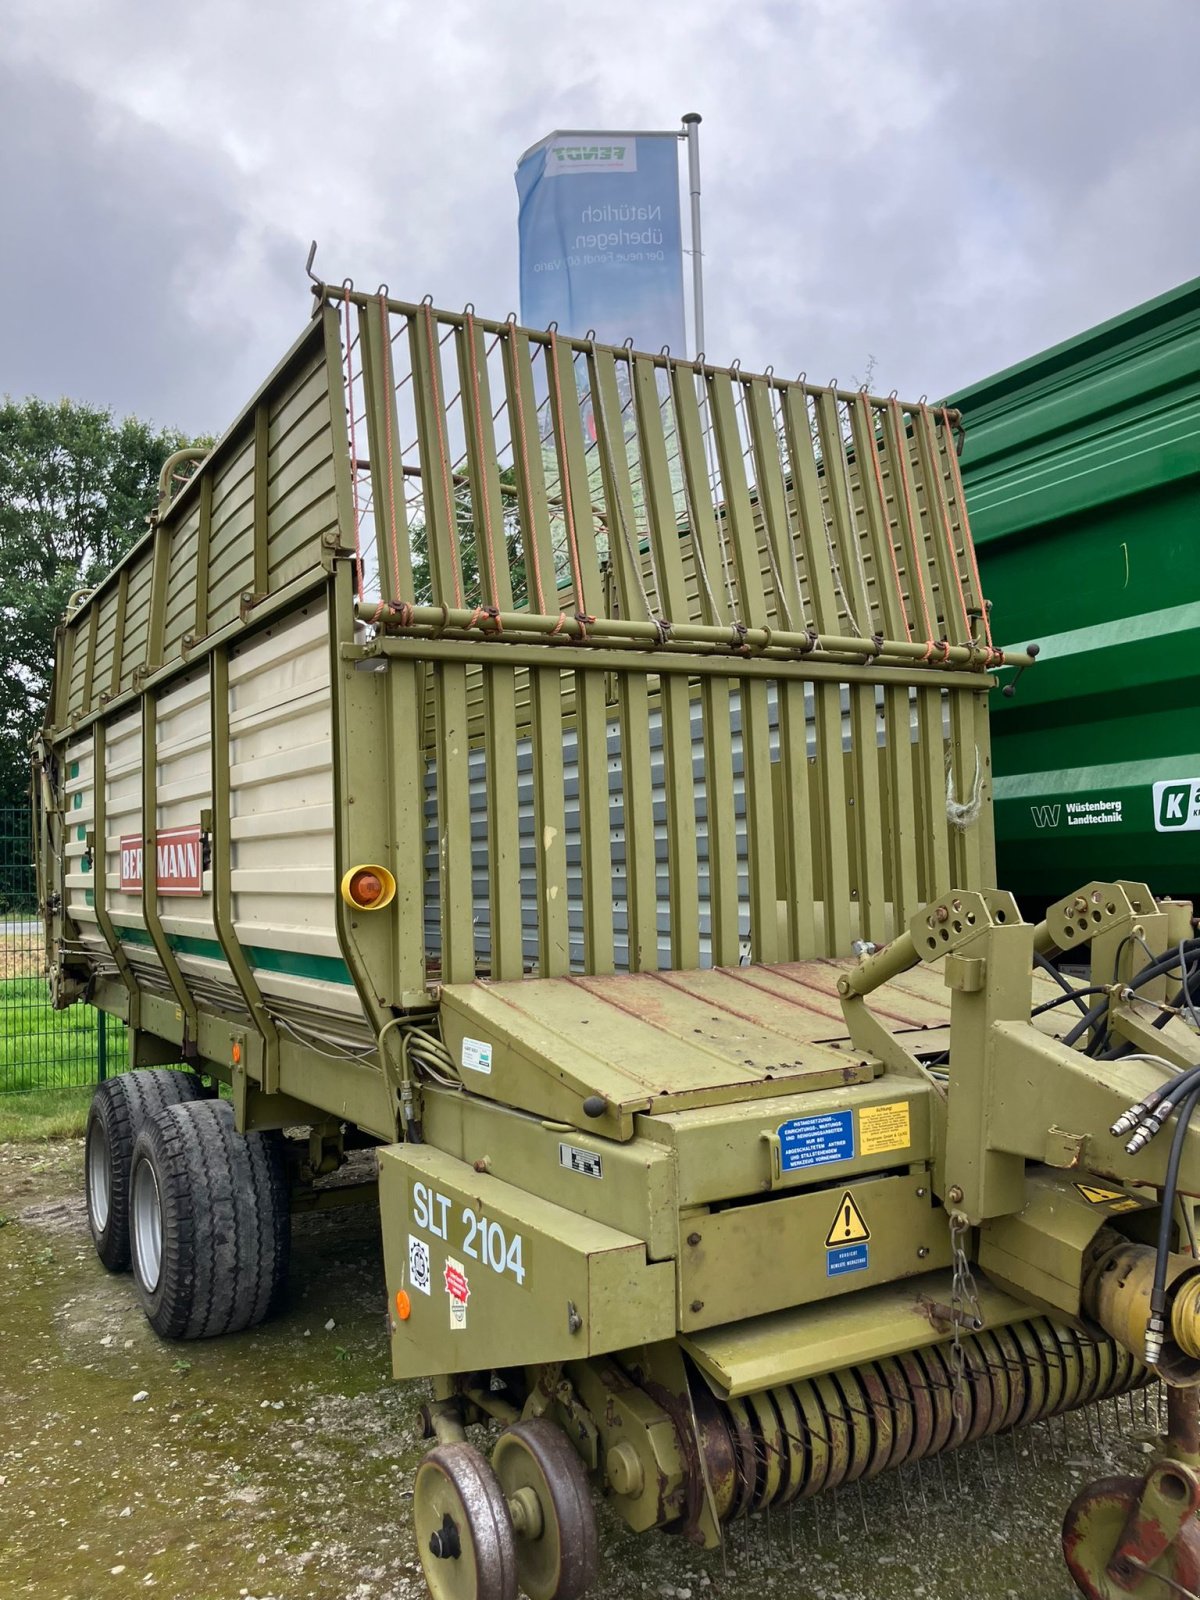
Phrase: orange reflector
x=403 y=1305
x=365 y=888
x=236 y=1054
x=368 y=887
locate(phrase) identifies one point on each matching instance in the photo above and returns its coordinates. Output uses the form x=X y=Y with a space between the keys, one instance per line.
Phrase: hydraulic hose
x=1157 y=1326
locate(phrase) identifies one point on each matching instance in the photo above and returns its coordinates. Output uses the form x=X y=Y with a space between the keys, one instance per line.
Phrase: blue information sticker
x=816 y=1141
x=847 y=1258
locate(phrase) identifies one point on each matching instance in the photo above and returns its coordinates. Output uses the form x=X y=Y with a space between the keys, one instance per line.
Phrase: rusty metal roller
x=799 y=1439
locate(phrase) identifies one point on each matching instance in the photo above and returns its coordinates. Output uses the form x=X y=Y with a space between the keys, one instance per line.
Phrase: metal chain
x=964 y=1306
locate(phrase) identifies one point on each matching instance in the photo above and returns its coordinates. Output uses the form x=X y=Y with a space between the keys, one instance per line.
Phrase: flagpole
x=691 y=125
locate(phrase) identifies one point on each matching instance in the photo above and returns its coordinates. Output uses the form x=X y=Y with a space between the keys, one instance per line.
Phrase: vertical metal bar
x=262 y=483
x=441 y=520
x=549 y=823
x=879 y=527
x=623 y=536
x=931 y=758
x=406 y=779
x=454 y=822
x=868 y=813
x=594 y=829
x=100 y=868
x=967 y=840
x=955 y=623
x=156 y=622
x=986 y=825
x=203 y=547
x=916 y=554
x=483 y=468
x=503 y=813
x=772 y=503
x=760 y=821
x=738 y=526
x=114 y=687
x=641 y=890
x=224 y=925
x=806 y=490
x=797 y=831
x=150 y=916
x=835 y=855
x=656 y=483
x=65 y=655
x=680 y=787
x=89 y=666
x=722 y=822
x=845 y=531
x=393 y=551
x=691 y=128
x=702 y=519
x=573 y=476
x=533 y=510
x=902 y=812
x=101 y=1045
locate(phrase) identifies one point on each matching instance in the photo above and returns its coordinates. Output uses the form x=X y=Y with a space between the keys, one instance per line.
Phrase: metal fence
x=40 y=1048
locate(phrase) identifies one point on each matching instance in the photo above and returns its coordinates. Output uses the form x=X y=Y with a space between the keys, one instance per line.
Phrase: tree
x=75 y=489
x=469 y=542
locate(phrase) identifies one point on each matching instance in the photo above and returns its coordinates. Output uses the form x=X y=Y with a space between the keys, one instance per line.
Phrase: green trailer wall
x=1082 y=473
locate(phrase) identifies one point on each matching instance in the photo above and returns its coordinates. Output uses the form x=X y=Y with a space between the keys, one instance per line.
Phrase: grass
x=43 y=1114
x=41 y=1048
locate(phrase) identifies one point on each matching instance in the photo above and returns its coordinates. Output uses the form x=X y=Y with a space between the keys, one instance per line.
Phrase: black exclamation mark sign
x=849 y=1222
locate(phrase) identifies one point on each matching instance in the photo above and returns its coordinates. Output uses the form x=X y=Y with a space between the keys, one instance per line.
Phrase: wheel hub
x=444 y=1541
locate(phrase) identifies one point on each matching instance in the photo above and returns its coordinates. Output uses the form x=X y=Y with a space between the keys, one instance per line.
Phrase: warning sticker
x=1114 y=1199
x=816 y=1141
x=883 y=1128
x=847 y=1258
x=849 y=1226
x=420 y=1271
x=459 y=1290
x=476 y=1055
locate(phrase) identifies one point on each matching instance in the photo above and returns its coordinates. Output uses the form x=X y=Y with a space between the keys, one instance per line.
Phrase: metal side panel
x=637 y=1041
x=281 y=777
x=744 y=1357
x=482 y=1275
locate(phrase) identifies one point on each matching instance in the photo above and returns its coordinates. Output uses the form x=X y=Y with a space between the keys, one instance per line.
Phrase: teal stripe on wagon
x=289 y=963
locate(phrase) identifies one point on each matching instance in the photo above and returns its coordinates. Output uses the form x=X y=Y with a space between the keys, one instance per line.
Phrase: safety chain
x=964 y=1307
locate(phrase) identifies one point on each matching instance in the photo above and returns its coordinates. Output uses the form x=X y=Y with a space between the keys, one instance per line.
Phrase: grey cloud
x=947 y=187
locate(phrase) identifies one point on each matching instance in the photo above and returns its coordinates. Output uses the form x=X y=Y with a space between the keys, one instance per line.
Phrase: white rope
x=963 y=814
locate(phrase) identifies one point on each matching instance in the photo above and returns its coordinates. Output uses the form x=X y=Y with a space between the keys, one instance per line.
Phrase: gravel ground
x=278 y=1464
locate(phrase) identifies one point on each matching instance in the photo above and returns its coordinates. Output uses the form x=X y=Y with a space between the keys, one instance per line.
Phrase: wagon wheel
x=546 y=1487
x=1092 y=1529
x=464 y=1532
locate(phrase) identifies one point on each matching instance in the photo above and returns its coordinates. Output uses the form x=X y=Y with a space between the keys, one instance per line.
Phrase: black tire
x=209 y=1222
x=119 y=1107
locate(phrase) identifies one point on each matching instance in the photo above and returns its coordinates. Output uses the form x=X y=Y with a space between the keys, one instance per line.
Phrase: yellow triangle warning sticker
x=849 y=1226
x=1095 y=1195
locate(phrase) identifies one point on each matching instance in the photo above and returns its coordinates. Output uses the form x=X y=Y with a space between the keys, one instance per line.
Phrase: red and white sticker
x=459 y=1290
x=179 y=861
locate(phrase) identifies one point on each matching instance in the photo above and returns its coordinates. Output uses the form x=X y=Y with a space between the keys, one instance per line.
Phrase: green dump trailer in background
x=1082 y=472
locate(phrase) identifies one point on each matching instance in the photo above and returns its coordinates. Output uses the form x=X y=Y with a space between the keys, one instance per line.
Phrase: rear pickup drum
x=797 y=1439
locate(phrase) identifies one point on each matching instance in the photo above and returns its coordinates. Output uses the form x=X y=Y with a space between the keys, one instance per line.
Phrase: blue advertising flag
x=601 y=243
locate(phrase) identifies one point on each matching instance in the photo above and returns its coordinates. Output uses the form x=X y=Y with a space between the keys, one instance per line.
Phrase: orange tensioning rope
x=869 y=425
x=572 y=543
x=914 y=525
x=388 y=379
x=931 y=445
x=531 y=531
x=968 y=542
x=358 y=562
x=489 y=541
x=435 y=398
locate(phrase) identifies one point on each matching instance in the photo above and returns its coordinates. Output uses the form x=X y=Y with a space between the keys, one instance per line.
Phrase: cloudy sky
x=944 y=185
